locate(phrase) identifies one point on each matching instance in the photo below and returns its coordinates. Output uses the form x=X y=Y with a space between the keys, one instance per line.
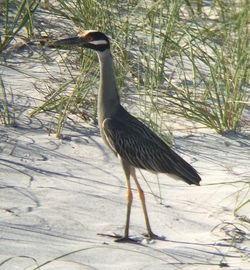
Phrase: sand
x=59 y=197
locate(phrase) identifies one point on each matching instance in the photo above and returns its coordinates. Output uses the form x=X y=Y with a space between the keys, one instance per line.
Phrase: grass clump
x=7 y=112
x=72 y=96
x=188 y=58
x=221 y=46
x=207 y=46
x=16 y=15
x=242 y=203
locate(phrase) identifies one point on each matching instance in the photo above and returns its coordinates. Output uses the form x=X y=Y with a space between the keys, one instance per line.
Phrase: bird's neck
x=108 y=97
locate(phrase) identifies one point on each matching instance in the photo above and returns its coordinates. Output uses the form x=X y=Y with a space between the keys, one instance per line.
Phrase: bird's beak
x=70 y=42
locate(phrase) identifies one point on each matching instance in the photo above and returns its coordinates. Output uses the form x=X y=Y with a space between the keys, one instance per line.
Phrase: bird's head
x=92 y=39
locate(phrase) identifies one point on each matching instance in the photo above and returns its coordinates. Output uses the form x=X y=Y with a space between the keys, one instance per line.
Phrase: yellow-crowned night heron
x=133 y=143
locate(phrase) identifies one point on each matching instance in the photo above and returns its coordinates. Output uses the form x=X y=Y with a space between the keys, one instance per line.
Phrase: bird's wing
x=145 y=152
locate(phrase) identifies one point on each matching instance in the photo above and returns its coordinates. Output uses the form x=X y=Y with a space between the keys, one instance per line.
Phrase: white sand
x=56 y=195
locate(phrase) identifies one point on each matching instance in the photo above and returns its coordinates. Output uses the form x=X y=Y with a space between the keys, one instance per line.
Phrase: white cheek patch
x=98 y=42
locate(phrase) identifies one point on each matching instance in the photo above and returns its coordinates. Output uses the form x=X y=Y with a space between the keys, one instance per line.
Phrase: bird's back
x=142 y=148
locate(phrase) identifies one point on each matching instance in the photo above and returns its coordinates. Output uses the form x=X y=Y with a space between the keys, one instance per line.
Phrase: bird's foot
x=151 y=235
x=124 y=239
x=119 y=238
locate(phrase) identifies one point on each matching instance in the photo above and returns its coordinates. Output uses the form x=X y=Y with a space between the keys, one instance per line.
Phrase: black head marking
x=95 y=40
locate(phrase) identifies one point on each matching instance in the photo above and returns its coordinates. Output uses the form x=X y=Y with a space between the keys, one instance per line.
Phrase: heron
x=134 y=143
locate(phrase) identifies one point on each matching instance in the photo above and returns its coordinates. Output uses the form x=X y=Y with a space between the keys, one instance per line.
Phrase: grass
x=224 y=94
x=207 y=81
x=242 y=202
x=157 y=256
x=16 y=15
x=78 y=101
x=7 y=111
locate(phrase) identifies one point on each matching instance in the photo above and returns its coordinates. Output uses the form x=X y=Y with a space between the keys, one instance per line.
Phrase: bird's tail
x=185 y=171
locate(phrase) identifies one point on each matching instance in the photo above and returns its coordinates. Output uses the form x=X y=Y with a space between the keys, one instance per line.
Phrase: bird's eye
x=89 y=38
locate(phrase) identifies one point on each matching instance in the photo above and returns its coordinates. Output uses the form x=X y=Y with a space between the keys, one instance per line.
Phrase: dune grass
x=242 y=202
x=7 y=110
x=16 y=15
x=206 y=46
x=187 y=58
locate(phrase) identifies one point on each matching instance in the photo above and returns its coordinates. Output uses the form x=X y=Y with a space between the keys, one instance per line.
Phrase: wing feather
x=142 y=148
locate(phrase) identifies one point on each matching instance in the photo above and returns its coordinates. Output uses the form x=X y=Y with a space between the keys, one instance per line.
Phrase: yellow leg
x=126 y=169
x=129 y=204
x=142 y=198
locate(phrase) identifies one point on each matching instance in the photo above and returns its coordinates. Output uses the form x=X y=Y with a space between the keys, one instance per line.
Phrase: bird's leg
x=150 y=234
x=129 y=204
x=126 y=169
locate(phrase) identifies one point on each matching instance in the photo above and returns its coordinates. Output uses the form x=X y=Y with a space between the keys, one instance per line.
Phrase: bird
x=134 y=143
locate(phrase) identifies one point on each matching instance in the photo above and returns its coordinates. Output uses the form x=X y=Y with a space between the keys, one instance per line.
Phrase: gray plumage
x=130 y=138
x=142 y=148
